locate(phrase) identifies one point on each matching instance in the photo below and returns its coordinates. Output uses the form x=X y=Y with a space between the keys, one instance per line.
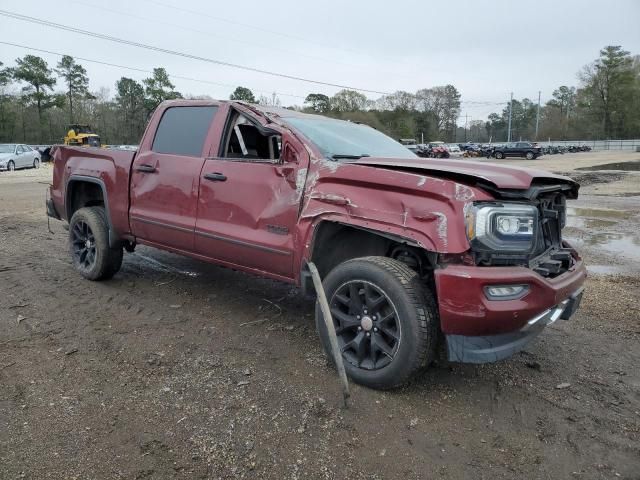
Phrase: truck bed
x=108 y=168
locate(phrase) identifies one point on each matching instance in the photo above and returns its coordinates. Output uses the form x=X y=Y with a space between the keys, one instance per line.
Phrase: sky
x=487 y=49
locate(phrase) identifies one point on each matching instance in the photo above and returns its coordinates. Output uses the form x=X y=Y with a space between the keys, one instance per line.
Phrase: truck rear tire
x=386 y=320
x=89 y=244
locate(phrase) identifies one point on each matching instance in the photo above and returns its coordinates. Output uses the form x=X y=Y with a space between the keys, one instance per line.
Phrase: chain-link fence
x=628 y=145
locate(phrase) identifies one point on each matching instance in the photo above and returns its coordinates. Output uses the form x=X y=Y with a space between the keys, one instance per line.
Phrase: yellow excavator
x=81 y=136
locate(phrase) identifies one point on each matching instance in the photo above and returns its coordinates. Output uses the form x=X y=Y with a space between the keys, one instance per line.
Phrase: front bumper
x=491 y=348
x=479 y=329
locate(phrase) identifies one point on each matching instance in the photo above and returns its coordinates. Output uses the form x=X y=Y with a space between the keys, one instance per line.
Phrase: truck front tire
x=385 y=318
x=89 y=244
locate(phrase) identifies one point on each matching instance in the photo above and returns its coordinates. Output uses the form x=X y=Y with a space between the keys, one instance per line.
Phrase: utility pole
x=538 y=115
x=465 y=127
x=510 y=110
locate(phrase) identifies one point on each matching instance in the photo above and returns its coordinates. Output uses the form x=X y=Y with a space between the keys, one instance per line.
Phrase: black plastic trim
x=114 y=239
x=161 y=224
x=242 y=243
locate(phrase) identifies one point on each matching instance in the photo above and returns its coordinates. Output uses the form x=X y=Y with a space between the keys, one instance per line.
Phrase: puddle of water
x=597 y=213
x=632 y=166
x=606 y=269
x=158 y=265
x=597 y=228
x=581 y=222
x=622 y=245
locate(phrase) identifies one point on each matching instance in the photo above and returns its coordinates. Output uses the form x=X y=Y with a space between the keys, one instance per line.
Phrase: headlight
x=510 y=227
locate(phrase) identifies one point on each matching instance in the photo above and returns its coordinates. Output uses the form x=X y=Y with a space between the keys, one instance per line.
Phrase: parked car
x=518 y=149
x=410 y=144
x=454 y=148
x=16 y=155
x=410 y=252
x=44 y=151
x=434 y=150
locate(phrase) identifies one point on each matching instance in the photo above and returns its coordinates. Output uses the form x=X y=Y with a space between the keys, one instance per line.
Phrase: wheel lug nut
x=358 y=317
x=368 y=334
x=359 y=328
x=375 y=329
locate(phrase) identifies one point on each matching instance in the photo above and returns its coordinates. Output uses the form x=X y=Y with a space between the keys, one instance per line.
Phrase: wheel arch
x=357 y=241
x=84 y=191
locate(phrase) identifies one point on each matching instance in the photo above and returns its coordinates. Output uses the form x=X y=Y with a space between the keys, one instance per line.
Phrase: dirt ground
x=178 y=369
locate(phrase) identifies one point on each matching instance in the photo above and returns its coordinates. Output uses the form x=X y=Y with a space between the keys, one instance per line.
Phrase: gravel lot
x=178 y=369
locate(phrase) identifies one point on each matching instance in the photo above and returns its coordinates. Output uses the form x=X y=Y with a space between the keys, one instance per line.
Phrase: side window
x=182 y=130
x=20 y=149
x=245 y=141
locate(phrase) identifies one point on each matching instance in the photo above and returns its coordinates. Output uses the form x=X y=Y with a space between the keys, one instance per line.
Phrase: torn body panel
x=426 y=211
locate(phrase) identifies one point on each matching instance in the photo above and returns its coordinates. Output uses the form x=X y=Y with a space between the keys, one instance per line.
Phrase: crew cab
x=412 y=254
x=517 y=149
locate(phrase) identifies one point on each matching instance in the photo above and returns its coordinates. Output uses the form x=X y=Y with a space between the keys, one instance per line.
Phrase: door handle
x=146 y=168
x=215 y=177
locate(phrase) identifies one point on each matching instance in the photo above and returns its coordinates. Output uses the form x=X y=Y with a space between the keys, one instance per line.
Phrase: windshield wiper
x=347 y=156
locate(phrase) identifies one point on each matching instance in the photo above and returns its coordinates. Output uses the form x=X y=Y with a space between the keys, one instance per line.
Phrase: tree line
x=36 y=113
x=605 y=105
x=37 y=102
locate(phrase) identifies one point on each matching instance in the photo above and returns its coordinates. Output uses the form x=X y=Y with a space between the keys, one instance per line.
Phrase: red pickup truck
x=411 y=251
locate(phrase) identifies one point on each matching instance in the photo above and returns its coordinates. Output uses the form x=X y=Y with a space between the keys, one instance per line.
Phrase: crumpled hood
x=499 y=176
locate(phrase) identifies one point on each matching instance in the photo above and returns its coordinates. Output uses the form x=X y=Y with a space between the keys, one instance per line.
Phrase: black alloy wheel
x=368 y=329
x=83 y=245
x=91 y=253
x=385 y=317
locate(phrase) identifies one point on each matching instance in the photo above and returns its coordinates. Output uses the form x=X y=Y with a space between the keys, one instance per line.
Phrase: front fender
x=426 y=211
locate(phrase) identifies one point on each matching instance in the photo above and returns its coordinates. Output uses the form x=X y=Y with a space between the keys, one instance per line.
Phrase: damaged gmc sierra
x=413 y=252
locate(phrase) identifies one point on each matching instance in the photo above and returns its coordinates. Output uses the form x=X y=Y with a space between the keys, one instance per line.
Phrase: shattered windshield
x=339 y=139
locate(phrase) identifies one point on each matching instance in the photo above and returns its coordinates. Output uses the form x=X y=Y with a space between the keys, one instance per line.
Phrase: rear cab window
x=183 y=130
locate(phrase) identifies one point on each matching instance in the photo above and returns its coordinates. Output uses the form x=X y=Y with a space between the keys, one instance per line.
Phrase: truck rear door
x=165 y=176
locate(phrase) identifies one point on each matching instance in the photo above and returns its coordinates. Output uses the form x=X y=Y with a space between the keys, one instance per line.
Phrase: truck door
x=250 y=193
x=165 y=176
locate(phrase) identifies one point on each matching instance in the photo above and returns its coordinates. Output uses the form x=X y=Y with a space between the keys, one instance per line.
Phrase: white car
x=453 y=148
x=16 y=155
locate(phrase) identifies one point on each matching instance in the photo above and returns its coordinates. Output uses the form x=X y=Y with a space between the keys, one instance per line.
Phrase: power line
x=208 y=82
x=241 y=24
x=142 y=70
x=210 y=33
x=110 y=38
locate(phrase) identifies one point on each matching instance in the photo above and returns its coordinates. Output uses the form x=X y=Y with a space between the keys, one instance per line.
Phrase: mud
x=633 y=166
x=179 y=369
